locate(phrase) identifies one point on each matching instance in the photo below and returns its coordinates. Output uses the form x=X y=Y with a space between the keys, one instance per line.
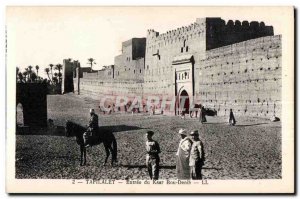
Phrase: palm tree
x=30 y=68
x=59 y=67
x=91 y=62
x=59 y=77
x=55 y=80
x=51 y=66
x=33 y=77
x=17 y=72
x=47 y=70
x=29 y=72
x=25 y=73
x=37 y=70
x=20 y=77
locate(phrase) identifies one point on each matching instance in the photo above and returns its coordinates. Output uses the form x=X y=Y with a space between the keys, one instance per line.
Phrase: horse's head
x=73 y=129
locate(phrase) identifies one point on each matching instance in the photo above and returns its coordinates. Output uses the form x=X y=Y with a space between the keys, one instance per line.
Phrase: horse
x=103 y=136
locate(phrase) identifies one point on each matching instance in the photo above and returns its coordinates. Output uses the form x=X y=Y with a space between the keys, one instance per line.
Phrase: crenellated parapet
x=219 y=33
x=175 y=35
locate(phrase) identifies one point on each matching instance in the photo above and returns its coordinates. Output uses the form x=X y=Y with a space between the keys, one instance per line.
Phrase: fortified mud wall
x=130 y=65
x=161 y=49
x=97 y=88
x=245 y=77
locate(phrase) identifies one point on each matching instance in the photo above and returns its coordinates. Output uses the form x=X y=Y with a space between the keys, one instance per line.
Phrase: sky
x=47 y=35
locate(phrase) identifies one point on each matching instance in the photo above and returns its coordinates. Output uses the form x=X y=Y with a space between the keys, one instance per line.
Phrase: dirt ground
x=249 y=150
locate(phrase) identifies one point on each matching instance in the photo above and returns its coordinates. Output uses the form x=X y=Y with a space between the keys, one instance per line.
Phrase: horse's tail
x=114 y=147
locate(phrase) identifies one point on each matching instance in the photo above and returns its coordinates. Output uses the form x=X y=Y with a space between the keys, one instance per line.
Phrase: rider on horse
x=92 y=129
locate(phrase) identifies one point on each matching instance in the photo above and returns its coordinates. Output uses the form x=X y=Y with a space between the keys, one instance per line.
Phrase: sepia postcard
x=150 y=100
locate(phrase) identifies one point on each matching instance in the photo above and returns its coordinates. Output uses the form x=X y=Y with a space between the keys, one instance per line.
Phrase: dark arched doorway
x=33 y=97
x=184 y=102
x=20 y=116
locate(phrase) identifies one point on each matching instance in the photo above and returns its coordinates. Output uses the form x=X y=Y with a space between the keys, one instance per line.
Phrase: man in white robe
x=183 y=154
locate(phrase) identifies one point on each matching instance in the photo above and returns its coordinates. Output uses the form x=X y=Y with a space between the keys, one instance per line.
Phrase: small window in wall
x=187 y=49
x=140 y=70
x=185 y=75
x=147 y=67
x=182 y=49
x=134 y=71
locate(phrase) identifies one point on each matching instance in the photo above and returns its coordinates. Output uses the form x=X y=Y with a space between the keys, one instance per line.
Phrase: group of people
x=189 y=157
x=202 y=116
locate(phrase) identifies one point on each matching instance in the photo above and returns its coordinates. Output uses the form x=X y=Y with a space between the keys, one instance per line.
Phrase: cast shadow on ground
x=119 y=128
x=250 y=124
x=61 y=131
x=164 y=167
x=54 y=131
x=215 y=123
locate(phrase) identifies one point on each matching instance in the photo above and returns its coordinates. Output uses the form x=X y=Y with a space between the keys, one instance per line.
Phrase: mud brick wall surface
x=236 y=65
x=130 y=65
x=98 y=88
x=245 y=77
x=162 y=48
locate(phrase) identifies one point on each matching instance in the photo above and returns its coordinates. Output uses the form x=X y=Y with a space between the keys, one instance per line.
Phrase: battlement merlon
x=232 y=26
x=219 y=33
x=218 y=28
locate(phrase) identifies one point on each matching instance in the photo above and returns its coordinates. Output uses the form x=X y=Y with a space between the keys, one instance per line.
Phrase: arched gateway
x=184 y=82
x=184 y=102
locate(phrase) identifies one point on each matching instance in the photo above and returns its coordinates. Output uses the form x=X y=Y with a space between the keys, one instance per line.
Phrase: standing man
x=202 y=117
x=231 y=118
x=183 y=155
x=92 y=129
x=196 y=157
x=152 y=157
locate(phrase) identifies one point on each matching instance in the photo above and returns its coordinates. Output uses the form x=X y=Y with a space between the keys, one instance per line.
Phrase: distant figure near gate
x=183 y=155
x=202 y=117
x=231 y=118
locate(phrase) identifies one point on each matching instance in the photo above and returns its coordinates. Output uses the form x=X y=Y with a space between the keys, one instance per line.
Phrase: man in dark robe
x=231 y=118
x=202 y=117
x=92 y=130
